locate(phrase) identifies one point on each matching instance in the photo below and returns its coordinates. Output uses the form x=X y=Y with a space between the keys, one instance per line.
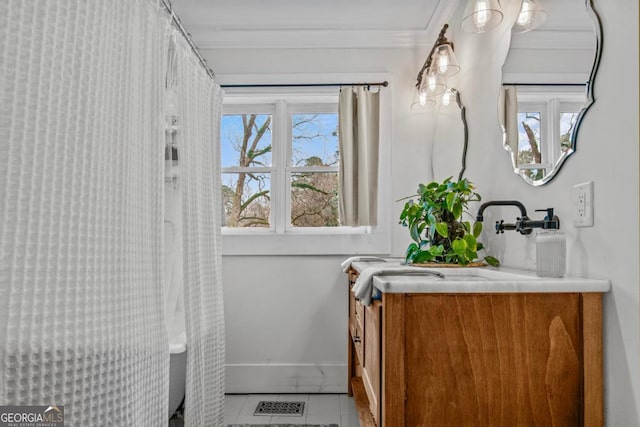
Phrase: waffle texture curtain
x=81 y=213
x=199 y=112
x=359 y=117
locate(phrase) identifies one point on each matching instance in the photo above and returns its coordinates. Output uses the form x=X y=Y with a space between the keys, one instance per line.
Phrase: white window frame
x=550 y=102
x=545 y=138
x=285 y=217
x=261 y=108
x=281 y=238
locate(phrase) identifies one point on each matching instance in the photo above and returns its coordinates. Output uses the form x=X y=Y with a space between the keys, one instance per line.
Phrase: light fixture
x=440 y=63
x=432 y=82
x=481 y=15
x=421 y=101
x=531 y=16
x=448 y=96
x=444 y=60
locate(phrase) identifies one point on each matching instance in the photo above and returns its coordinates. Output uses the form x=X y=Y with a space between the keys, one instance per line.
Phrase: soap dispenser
x=551 y=248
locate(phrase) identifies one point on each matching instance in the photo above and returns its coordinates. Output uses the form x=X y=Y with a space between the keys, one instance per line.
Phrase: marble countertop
x=480 y=280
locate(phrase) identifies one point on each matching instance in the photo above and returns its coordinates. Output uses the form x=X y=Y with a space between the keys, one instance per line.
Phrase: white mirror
x=548 y=88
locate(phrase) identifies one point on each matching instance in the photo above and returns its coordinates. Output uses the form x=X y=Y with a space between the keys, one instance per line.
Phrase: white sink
x=479 y=280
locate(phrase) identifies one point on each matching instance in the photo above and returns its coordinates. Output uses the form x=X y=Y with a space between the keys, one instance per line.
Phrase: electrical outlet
x=582 y=197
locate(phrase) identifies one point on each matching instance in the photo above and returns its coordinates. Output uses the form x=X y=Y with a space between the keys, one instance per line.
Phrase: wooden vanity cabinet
x=520 y=359
x=365 y=347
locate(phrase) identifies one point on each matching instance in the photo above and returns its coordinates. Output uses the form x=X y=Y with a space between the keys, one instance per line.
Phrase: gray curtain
x=359 y=117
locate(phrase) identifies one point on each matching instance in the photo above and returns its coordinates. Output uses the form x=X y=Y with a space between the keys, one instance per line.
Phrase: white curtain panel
x=508 y=115
x=200 y=106
x=81 y=214
x=359 y=134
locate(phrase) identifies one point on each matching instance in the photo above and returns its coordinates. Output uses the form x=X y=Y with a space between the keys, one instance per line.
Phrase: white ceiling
x=342 y=23
x=307 y=14
x=307 y=23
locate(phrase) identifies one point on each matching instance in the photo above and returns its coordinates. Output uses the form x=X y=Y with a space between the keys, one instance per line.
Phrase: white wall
x=287 y=315
x=607 y=153
x=292 y=310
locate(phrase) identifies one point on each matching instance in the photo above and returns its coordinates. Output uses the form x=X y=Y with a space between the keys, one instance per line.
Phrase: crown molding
x=264 y=38
x=554 y=39
x=308 y=39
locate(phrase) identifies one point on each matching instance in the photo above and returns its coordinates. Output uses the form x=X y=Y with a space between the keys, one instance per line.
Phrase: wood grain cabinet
x=521 y=359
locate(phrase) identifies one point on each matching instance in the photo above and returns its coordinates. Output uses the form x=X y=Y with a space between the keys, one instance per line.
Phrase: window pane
x=567 y=123
x=315 y=139
x=245 y=140
x=247 y=199
x=529 y=138
x=314 y=199
x=535 y=174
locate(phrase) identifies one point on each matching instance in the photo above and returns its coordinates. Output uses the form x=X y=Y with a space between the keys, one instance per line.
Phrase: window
x=280 y=165
x=279 y=153
x=546 y=120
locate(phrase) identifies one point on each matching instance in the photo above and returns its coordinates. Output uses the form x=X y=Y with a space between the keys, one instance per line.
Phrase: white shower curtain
x=199 y=112
x=81 y=143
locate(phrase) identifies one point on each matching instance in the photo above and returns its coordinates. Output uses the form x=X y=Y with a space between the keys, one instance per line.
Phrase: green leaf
x=412 y=247
x=480 y=246
x=471 y=255
x=477 y=229
x=451 y=197
x=422 y=256
x=431 y=219
x=442 y=229
x=421 y=228
x=459 y=246
x=410 y=253
x=472 y=244
x=457 y=210
x=436 y=250
x=414 y=233
x=492 y=261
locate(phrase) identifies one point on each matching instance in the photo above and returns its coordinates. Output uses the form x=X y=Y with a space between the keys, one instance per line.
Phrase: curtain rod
x=545 y=84
x=383 y=84
x=176 y=20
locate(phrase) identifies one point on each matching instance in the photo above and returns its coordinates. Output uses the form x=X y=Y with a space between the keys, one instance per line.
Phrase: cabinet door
x=372 y=352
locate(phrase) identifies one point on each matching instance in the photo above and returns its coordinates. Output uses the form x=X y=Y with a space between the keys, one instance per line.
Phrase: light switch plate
x=582 y=197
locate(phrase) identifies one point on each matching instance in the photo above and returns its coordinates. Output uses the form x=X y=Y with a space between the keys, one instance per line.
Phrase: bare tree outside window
x=247 y=144
x=529 y=143
x=567 y=124
x=246 y=157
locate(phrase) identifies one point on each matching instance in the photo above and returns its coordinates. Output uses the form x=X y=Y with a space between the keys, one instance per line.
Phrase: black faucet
x=523 y=224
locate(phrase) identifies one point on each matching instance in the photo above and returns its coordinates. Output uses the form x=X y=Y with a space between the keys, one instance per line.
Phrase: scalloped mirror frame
x=597 y=28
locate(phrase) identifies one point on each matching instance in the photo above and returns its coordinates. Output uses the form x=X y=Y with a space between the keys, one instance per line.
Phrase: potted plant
x=439 y=234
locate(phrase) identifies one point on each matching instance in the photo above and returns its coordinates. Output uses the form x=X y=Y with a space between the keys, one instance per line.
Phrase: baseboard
x=286 y=378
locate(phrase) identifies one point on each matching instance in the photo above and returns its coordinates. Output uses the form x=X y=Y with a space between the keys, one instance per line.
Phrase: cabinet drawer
x=357 y=335
x=352 y=313
x=372 y=357
x=359 y=314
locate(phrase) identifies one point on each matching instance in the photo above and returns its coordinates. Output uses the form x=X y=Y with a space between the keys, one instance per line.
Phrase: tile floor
x=319 y=409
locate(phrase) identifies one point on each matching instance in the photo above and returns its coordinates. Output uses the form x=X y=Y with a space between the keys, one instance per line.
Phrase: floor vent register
x=280 y=408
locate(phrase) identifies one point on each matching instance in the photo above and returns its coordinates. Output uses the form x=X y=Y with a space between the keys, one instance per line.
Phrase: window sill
x=324 y=241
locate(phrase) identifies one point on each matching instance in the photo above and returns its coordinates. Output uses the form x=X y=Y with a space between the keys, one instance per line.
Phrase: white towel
x=363 y=288
x=346 y=264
